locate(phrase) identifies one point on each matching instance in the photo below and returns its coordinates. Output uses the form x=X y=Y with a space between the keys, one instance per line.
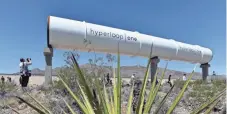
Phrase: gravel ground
x=53 y=100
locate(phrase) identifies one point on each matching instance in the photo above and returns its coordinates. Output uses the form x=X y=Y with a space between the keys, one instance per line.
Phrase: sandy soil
x=34 y=80
x=39 y=80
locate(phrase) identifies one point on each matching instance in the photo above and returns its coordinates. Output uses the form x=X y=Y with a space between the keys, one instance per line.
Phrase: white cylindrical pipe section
x=71 y=34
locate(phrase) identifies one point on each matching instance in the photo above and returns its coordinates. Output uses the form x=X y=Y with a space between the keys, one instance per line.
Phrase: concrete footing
x=48 y=53
x=154 y=66
x=205 y=70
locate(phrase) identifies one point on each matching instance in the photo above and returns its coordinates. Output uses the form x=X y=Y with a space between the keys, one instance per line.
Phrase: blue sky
x=201 y=22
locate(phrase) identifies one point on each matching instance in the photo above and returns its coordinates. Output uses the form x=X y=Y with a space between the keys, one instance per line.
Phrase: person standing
x=133 y=76
x=169 y=81
x=29 y=71
x=3 y=80
x=156 y=81
x=213 y=76
x=108 y=78
x=132 y=81
x=9 y=79
x=184 y=77
x=24 y=73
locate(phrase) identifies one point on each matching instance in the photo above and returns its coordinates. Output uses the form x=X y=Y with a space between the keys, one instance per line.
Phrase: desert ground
x=39 y=80
x=51 y=97
x=34 y=80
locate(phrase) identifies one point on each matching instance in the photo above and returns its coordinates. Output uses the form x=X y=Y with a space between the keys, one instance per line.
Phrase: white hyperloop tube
x=71 y=34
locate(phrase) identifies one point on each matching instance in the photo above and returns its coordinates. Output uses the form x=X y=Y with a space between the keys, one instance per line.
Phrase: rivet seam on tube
x=202 y=53
x=152 y=46
x=125 y=36
x=136 y=34
x=177 y=46
x=85 y=35
x=201 y=50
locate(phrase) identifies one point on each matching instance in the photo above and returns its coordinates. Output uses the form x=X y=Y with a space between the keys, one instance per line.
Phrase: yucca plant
x=108 y=100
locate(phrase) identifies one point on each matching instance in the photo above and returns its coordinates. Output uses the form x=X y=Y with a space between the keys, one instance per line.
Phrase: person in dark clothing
x=28 y=71
x=135 y=99
x=136 y=93
x=111 y=82
x=24 y=79
x=144 y=103
x=169 y=81
x=9 y=79
x=95 y=96
x=108 y=78
x=156 y=81
x=3 y=79
x=213 y=76
x=94 y=93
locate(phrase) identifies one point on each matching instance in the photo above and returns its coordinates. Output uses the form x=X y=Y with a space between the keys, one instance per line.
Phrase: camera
x=29 y=59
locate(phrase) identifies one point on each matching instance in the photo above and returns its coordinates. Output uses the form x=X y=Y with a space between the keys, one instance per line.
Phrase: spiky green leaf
x=118 y=82
x=101 y=97
x=180 y=95
x=84 y=83
x=153 y=94
x=45 y=108
x=69 y=107
x=13 y=109
x=209 y=102
x=163 y=100
x=86 y=102
x=129 y=108
x=208 y=111
x=81 y=105
x=106 y=95
x=31 y=105
x=141 y=96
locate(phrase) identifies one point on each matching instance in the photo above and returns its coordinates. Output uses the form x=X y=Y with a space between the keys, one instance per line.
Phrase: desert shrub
x=69 y=78
x=219 y=84
x=202 y=91
x=7 y=87
x=95 y=69
x=104 y=102
x=179 y=83
x=197 y=82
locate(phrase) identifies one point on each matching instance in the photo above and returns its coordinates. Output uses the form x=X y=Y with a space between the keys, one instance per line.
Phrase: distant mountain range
x=126 y=71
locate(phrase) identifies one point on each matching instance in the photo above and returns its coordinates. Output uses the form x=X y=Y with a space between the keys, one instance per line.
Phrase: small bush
x=203 y=91
x=179 y=83
x=112 y=102
x=7 y=87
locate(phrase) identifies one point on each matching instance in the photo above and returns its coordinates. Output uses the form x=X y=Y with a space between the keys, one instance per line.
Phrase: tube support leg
x=154 y=66
x=48 y=53
x=205 y=70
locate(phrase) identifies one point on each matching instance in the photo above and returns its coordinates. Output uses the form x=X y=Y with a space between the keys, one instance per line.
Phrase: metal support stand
x=154 y=66
x=48 y=53
x=205 y=70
